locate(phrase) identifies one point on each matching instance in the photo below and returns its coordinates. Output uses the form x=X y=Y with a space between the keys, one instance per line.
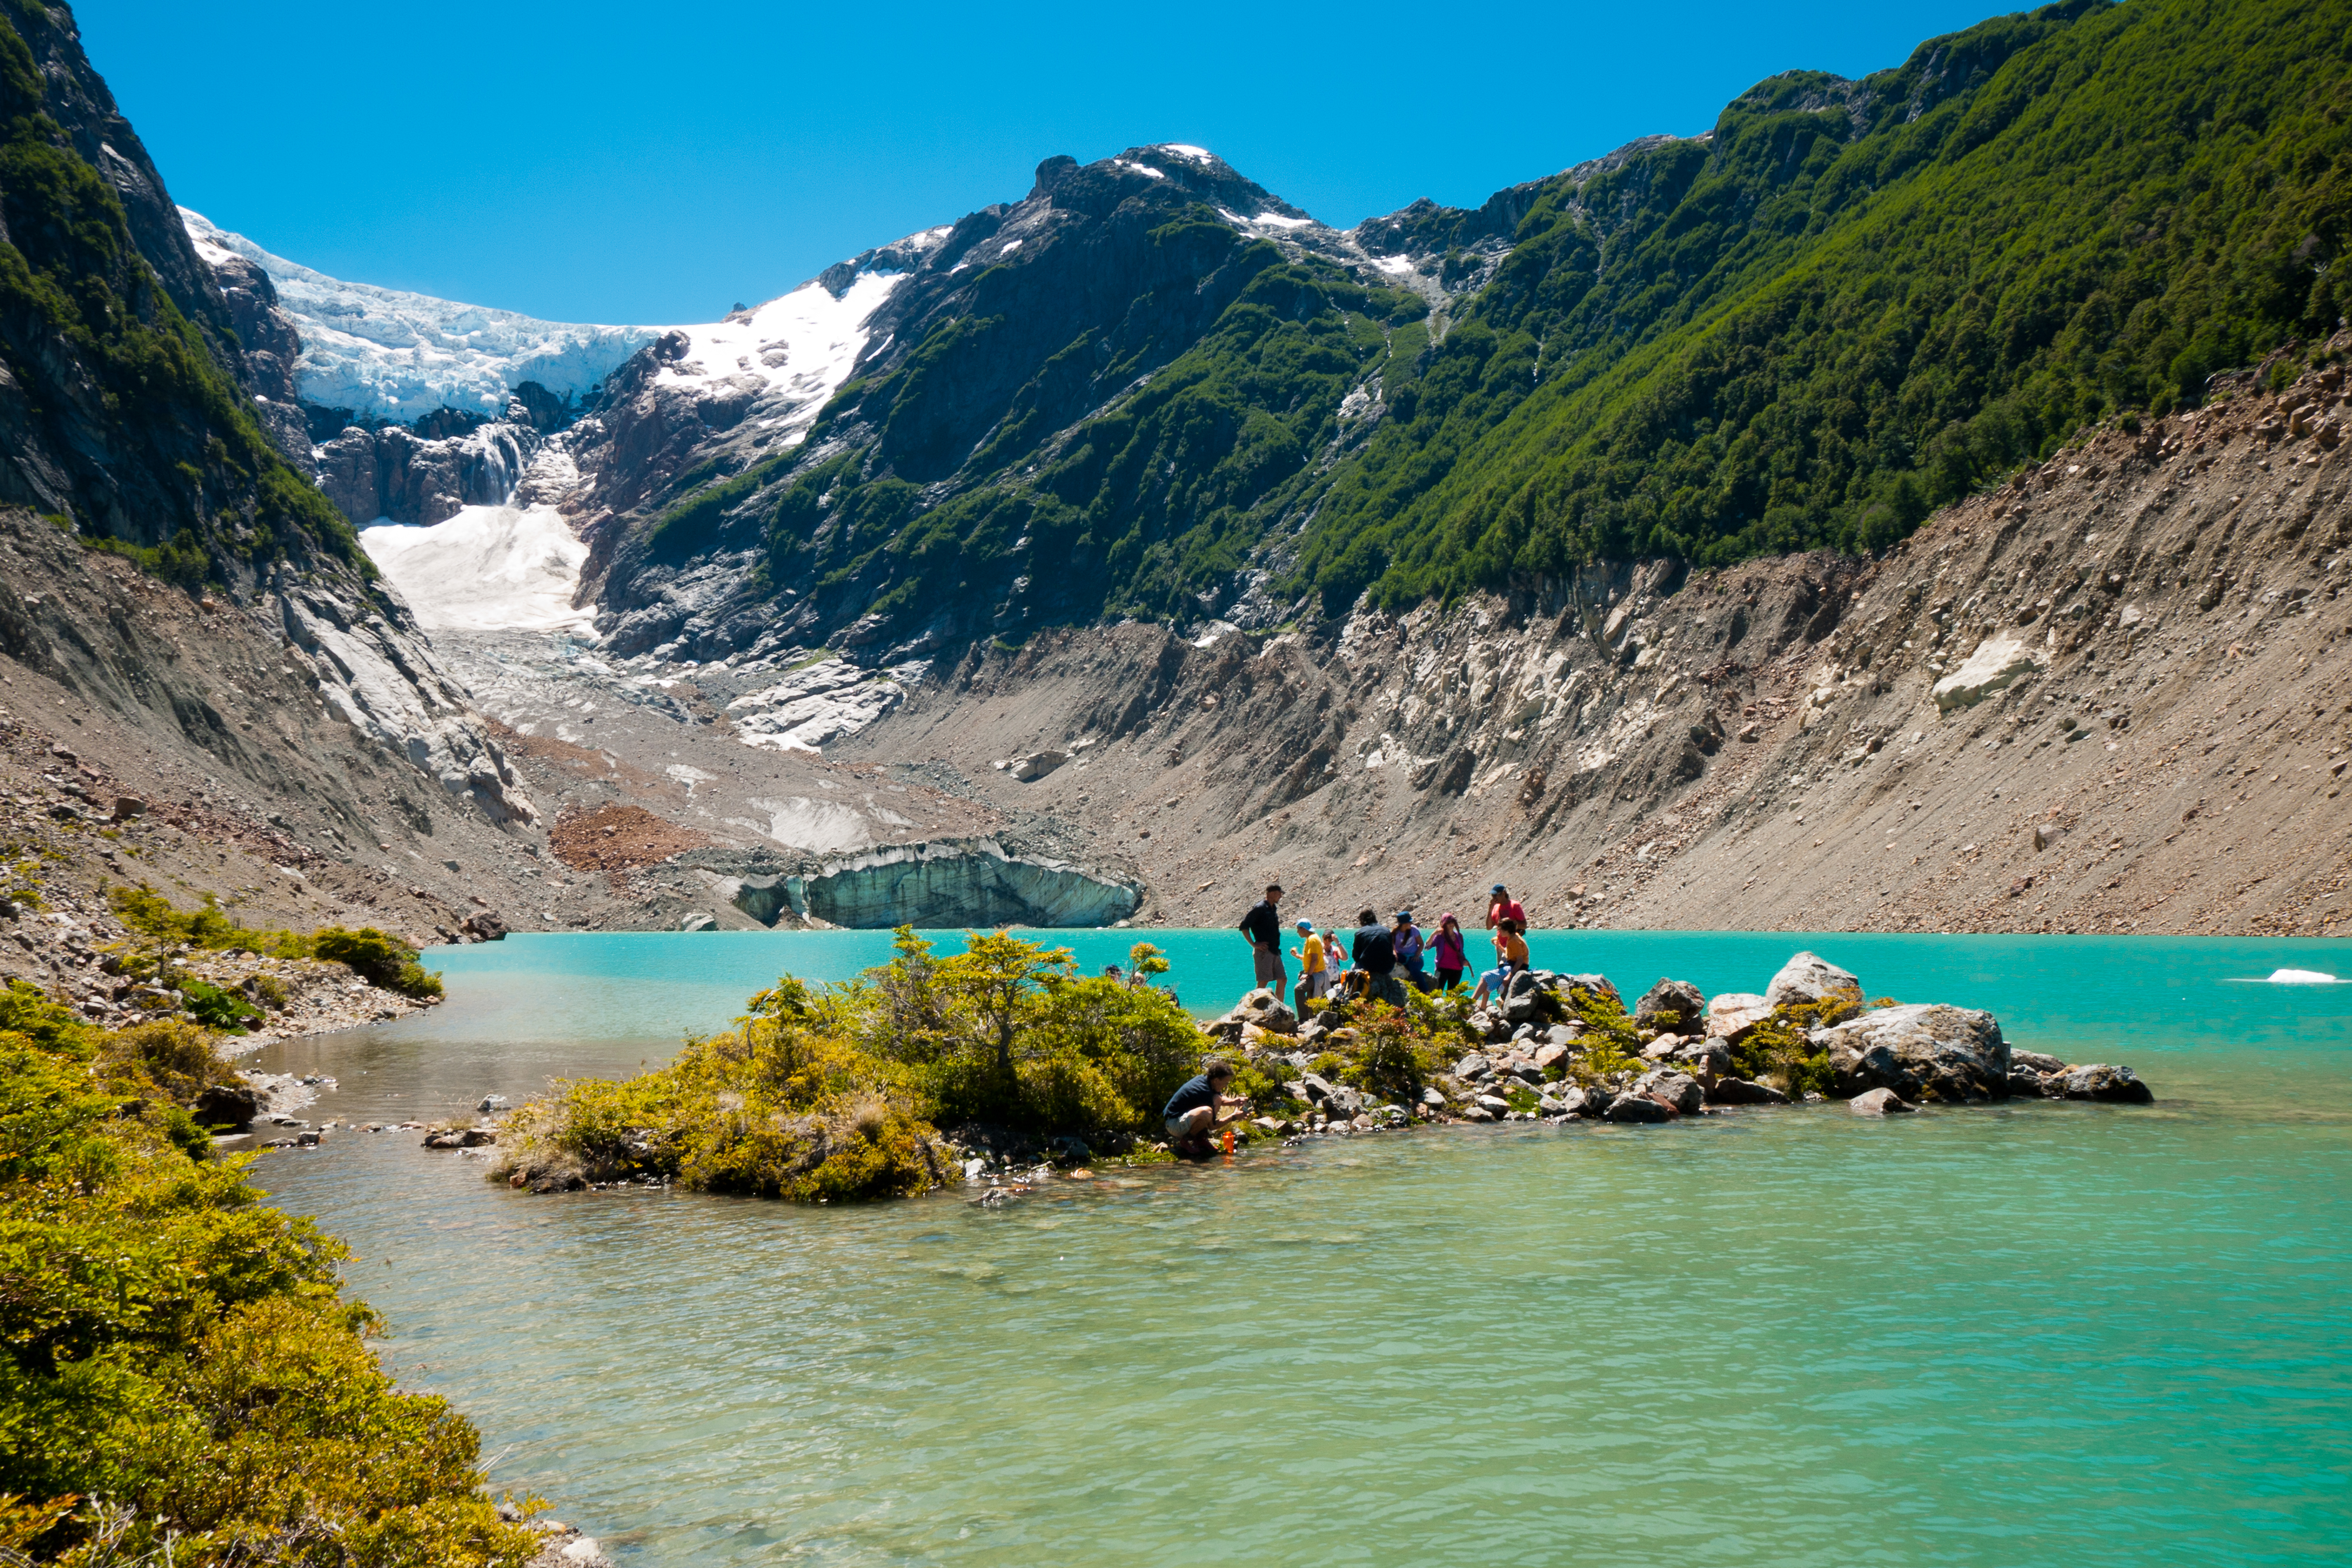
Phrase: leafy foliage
x=831 y=1095
x=1862 y=300
x=178 y=1378
x=378 y=957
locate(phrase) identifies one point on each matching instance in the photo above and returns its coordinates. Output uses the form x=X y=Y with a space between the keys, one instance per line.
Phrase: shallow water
x=2051 y=1333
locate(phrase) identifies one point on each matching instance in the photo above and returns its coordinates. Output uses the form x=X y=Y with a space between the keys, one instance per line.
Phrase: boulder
x=1037 y=764
x=491 y=1102
x=1743 y=1092
x=1706 y=1060
x=1591 y=1100
x=2105 y=1081
x=1733 y=1016
x=1877 y=1102
x=1662 y=1048
x=2039 y=1061
x=1641 y=1109
x=1921 y=1049
x=1809 y=979
x=1997 y=661
x=230 y=1105
x=1549 y=1057
x=1261 y=1008
x=1598 y=984
x=1342 y=1104
x=696 y=920
x=1473 y=1067
x=1679 y=1089
x=1522 y=1009
x=1477 y=1113
x=2024 y=1083
x=1315 y=1090
x=1493 y=1104
x=483 y=926
x=1671 y=1006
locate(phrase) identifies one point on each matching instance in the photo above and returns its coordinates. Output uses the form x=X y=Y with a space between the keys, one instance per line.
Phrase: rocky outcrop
x=977 y=886
x=391 y=473
x=1813 y=982
x=381 y=679
x=1921 y=1050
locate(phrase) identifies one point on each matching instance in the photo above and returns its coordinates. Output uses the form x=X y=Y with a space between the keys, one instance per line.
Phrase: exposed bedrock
x=925 y=885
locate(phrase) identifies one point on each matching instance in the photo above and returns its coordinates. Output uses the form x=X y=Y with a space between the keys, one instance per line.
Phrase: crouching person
x=1201 y=1107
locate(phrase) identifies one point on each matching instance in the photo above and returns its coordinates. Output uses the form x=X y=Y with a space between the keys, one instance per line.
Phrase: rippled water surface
x=2046 y=1335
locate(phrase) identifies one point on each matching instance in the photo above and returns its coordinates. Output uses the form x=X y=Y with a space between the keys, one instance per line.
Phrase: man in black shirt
x=1374 y=951
x=1262 y=926
x=1192 y=1112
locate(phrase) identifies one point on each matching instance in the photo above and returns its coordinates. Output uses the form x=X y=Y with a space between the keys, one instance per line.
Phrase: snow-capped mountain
x=391 y=354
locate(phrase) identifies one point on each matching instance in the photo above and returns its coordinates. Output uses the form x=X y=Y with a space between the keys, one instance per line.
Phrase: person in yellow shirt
x=1510 y=957
x=1314 y=975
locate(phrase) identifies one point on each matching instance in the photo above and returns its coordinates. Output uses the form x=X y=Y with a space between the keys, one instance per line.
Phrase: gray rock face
x=1952 y=1054
x=382 y=681
x=1810 y=978
x=1877 y=1102
x=2105 y=1081
x=393 y=472
x=1640 y=1109
x=1733 y=1016
x=1670 y=1004
x=696 y=920
x=1678 y=1090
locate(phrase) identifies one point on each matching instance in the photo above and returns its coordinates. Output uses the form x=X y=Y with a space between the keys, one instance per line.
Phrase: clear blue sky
x=658 y=161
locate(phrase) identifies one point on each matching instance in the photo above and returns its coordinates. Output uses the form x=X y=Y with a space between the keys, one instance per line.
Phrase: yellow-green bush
x=175 y=1362
x=835 y=1094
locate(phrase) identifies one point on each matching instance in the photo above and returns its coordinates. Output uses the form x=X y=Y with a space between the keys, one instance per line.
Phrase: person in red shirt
x=1502 y=907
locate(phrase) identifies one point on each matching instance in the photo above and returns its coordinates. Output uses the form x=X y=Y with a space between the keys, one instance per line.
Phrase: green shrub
x=217 y=1009
x=179 y=1380
x=379 y=958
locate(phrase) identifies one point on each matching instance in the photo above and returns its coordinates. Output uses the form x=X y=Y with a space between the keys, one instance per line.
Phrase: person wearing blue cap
x=1405 y=940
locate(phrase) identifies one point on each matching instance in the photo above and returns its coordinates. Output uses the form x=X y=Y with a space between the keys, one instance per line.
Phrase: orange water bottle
x=1229 y=1139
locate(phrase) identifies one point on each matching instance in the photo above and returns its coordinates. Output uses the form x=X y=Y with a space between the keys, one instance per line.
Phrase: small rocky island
x=1557 y=1046
x=1002 y=1064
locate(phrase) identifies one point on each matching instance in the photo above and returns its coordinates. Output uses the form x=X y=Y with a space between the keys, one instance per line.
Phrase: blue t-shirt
x=1192 y=1097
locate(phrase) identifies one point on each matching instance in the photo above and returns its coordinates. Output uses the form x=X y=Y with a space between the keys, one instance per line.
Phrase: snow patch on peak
x=1267 y=220
x=789 y=354
x=1140 y=168
x=1185 y=150
x=400 y=355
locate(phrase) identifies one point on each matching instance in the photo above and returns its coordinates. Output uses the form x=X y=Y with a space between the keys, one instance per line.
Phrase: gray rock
x=491 y=1102
x=1260 y=1007
x=2024 y=1083
x=2039 y=1061
x=1477 y=1113
x=1037 y=764
x=1919 y=1050
x=1493 y=1103
x=1548 y=1106
x=1521 y=1009
x=229 y=1105
x=1588 y=1100
x=1733 y=1016
x=1639 y=1109
x=1432 y=1099
x=1563 y=1034
x=1743 y=1092
x=1671 y=1006
x=1343 y=1103
x=1315 y=1087
x=1679 y=1089
x=1706 y=1060
x=1548 y=1056
x=1598 y=984
x=1877 y=1102
x=1808 y=978
x=696 y=920
x=2107 y=1082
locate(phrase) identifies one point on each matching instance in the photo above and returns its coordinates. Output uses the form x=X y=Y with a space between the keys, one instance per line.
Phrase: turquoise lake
x=2041 y=1333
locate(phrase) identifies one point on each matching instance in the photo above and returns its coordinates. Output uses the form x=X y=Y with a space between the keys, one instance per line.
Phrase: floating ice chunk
x=2301 y=978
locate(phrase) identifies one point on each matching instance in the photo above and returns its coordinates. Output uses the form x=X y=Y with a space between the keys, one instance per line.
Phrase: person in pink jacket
x=1447 y=954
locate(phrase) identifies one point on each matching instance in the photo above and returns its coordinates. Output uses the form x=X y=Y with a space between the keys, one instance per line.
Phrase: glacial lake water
x=2037 y=1334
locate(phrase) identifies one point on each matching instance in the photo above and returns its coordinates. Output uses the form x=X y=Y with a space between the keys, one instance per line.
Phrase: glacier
x=394 y=355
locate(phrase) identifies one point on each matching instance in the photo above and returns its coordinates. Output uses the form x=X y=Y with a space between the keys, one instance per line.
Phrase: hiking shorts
x=1269 y=966
x=1315 y=986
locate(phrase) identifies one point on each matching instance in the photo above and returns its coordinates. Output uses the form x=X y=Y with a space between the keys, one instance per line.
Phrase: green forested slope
x=115 y=416
x=1863 y=298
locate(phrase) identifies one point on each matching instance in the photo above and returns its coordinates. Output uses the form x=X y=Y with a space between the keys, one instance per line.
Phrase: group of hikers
x=1381 y=958
x=1377 y=958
